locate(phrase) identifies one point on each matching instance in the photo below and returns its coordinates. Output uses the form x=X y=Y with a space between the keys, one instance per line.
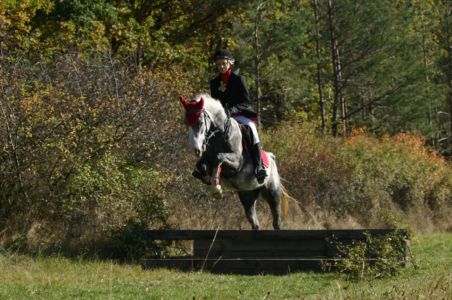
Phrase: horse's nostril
x=197 y=152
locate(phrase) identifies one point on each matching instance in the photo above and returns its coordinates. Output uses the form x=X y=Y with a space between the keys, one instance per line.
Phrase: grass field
x=24 y=277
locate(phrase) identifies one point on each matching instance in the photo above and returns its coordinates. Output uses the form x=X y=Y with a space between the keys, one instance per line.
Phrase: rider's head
x=223 y=60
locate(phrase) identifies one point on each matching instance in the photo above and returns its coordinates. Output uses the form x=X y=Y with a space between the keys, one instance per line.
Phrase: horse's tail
x=284 y=202
x=285 y=197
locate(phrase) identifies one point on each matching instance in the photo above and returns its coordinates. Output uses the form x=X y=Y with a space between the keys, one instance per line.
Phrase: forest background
x=355 y=100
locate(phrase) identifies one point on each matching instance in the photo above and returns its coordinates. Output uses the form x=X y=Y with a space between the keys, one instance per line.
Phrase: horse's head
x=198 y=123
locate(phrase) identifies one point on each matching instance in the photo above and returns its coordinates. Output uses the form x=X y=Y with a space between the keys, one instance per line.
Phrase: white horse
x=217 y=140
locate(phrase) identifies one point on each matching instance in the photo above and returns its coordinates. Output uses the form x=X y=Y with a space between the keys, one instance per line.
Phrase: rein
x=212 y=133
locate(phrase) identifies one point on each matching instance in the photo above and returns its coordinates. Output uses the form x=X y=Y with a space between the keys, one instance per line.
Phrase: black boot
x=260 y=171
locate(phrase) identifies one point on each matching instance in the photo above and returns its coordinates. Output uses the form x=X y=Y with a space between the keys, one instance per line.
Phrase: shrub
x=81 y=149
x=364 y=177
x=376 y=257
x=131 y=243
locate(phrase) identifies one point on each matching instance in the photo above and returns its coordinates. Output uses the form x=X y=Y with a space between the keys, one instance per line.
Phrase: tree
x=315 y=6
x=444 y=61
x=375 y=73
x=279 y=64
x=338 y=82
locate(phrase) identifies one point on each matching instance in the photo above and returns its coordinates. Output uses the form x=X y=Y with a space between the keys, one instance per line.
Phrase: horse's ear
x=197 y=105
x=183 y=101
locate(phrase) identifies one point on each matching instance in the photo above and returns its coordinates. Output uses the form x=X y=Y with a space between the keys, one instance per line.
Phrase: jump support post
x=262 y=251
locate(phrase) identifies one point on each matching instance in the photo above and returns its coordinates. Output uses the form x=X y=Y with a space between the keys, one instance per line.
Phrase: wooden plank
x=260 y=252
x=235 y=266
x=263 y=248
x=248 y=266
x=341 y=234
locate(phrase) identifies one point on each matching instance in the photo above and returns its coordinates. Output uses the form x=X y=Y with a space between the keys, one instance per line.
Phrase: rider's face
x=223 y=65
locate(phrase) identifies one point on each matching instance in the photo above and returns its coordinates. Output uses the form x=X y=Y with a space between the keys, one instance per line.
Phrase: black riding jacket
x=235 y=97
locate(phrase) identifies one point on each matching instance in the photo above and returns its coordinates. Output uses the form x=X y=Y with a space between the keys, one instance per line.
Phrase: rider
x=233 y=93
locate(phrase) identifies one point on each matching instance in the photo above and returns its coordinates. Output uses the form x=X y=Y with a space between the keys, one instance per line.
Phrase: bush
x=131 y=243
x=81 y=150
x=90 y=145
x=365 y=177
x=376 y=257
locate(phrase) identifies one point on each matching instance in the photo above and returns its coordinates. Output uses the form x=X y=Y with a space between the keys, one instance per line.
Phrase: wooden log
x=263 y=248
x=248 y=266
x=350 y=234
x=261 y=252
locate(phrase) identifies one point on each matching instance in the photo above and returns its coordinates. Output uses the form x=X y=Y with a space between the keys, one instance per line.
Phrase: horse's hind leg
x=248 y=200
x=273 y=196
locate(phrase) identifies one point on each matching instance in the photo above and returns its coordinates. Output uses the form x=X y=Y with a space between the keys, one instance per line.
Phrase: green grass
x=24 y=277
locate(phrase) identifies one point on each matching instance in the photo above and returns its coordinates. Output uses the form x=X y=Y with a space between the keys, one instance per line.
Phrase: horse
x=216 y=139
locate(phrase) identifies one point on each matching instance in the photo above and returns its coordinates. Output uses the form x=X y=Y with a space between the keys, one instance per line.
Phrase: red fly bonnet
x=193 y=110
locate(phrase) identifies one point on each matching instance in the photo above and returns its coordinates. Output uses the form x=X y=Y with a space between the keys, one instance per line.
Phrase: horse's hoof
x=216 y=191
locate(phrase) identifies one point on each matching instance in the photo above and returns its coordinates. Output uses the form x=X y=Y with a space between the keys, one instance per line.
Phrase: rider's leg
x=260 y=171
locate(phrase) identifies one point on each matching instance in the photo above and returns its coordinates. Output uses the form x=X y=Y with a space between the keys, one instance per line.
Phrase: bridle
x=210 y=132
x=196 y=112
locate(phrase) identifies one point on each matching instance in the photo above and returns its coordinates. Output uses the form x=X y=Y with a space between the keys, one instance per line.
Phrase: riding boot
x=260 y=171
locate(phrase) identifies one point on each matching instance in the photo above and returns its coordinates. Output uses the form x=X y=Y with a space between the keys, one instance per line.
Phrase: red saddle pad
x=265 y=160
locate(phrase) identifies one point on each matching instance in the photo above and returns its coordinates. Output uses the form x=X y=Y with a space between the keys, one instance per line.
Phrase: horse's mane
x=211 y=104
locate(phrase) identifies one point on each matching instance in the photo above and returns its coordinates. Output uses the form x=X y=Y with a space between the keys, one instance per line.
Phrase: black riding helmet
x=223 y=54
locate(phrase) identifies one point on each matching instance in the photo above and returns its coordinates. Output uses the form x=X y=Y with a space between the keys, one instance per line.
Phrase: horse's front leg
x=215 y=186
x=232 y=160
x=201 y=171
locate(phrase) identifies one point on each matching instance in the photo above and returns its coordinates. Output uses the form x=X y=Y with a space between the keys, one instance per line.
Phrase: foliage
x=384 y=51
x=90 y=131
x=393 y=55
x=16 y=30
x=376 y=257
x=284 y=63
x=130 y=243
x=79 y=152
x=365 y=177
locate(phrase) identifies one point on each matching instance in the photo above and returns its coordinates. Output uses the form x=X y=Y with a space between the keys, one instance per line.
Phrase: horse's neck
x=223 y=125
x=220 y=119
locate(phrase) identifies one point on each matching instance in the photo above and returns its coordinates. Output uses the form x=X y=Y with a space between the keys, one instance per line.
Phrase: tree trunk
x=257 y=63
x=319 y=79
x=14 y=152
x=139 y=57
x=337 y=74
x=449 y=66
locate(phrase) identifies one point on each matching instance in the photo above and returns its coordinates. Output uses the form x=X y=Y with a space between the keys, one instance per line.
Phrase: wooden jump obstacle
x=260 y=252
